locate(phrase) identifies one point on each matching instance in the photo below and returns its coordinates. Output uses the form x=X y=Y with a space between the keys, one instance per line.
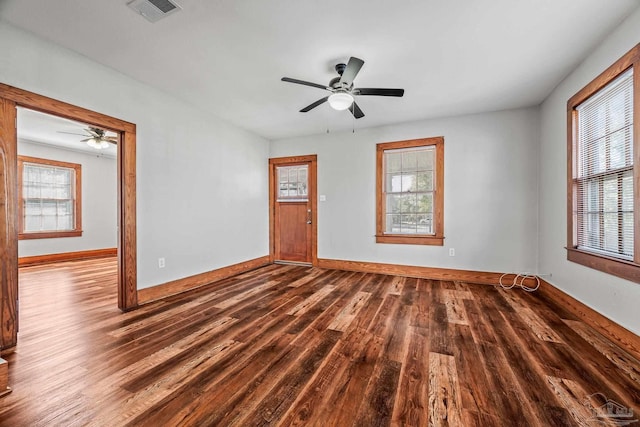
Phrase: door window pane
x=292 y=183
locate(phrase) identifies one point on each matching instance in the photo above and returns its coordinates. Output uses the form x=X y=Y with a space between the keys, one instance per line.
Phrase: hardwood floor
x=291 y=345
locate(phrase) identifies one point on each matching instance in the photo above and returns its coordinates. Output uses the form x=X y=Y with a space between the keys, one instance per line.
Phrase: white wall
x=490 y=191
x=99 y=202
x=615 y=298
x=201 y=183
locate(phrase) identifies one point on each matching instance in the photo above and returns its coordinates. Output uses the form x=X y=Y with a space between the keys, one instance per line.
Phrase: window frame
x=626 y=269
x=436 y=239
x=77 y=201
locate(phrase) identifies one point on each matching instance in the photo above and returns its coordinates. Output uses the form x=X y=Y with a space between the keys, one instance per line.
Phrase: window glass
x=604 y=145
x=49 y=198
x=293 y=183
x=409 y=189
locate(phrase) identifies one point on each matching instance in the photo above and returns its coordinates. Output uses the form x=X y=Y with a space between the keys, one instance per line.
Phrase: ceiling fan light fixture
x=97 y=143
x=340 y=100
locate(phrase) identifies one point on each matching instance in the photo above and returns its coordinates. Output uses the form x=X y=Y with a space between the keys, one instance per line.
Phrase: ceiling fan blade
x=302 y=82
x=314 y=105
x=378 y=92
x=356 y=111
x=352 y=70
x=73 y=133
x=88 y=139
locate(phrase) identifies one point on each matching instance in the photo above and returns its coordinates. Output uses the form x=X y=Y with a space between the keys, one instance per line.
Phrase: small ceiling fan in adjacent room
x=96 y=137
x=342 y=90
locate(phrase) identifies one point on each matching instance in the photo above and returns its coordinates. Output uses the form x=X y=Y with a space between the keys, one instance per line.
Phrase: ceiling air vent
x=154 y=10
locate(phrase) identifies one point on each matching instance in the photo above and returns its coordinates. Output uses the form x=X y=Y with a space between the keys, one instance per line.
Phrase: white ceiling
x=63 y=133
x=227 y=56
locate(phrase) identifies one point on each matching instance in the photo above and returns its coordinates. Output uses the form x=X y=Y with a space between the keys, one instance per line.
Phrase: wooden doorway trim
x=313 y=171
x=10 y=98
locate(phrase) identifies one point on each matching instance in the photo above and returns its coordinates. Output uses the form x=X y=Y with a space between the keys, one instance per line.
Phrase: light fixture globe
x=97 y=143
x=340 y=100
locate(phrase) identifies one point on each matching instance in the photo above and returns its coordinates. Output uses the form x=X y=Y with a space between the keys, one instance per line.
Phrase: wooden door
x=292 y=199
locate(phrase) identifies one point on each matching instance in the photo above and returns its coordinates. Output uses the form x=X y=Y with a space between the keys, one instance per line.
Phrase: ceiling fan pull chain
x=353 y=123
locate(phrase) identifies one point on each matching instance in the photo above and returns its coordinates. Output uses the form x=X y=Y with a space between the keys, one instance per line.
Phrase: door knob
x=308 y=216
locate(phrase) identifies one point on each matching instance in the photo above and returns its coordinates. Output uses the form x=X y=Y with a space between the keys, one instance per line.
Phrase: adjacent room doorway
x=292 y=209
x=10 y=99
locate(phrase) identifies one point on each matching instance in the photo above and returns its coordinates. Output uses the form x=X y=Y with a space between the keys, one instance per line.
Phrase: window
x=49 y=198
x=603 y=172
x=292 y=181
x=410 y=192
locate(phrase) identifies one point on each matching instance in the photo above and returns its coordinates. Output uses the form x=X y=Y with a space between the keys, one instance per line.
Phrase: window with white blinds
x=603 y=184
x=49 y=193
x=602 y=178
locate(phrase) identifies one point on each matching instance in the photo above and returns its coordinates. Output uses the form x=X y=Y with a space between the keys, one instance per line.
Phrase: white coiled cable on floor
x=522 y=277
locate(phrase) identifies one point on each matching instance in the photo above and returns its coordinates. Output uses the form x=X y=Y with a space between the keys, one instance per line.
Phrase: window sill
x=624 y=269
x=410 y=240
x=49 y=235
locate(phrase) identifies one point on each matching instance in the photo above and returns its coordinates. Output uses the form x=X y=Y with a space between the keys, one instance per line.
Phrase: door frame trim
x=12 y=97
x=313 y=180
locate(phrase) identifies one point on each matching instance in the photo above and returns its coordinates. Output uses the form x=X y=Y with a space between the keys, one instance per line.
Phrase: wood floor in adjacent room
x=289 y=345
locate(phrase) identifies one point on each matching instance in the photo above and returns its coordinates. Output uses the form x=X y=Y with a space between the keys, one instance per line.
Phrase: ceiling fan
x=342 y=90
x=96 y=137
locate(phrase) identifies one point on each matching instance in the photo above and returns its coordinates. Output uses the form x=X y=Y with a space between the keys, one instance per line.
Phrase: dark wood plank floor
x=289 y=345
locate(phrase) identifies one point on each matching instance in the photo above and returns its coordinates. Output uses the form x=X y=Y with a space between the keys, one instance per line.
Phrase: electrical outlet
x=160 y=262
x=452 y=252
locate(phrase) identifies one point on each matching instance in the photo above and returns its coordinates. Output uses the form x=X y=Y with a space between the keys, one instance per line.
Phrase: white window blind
x=48 y=197
x=409 y=190
x=603 y=185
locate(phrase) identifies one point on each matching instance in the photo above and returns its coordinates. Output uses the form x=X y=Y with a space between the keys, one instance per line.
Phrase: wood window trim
x=438 y=216
x=629 y=270
x=77 y=202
